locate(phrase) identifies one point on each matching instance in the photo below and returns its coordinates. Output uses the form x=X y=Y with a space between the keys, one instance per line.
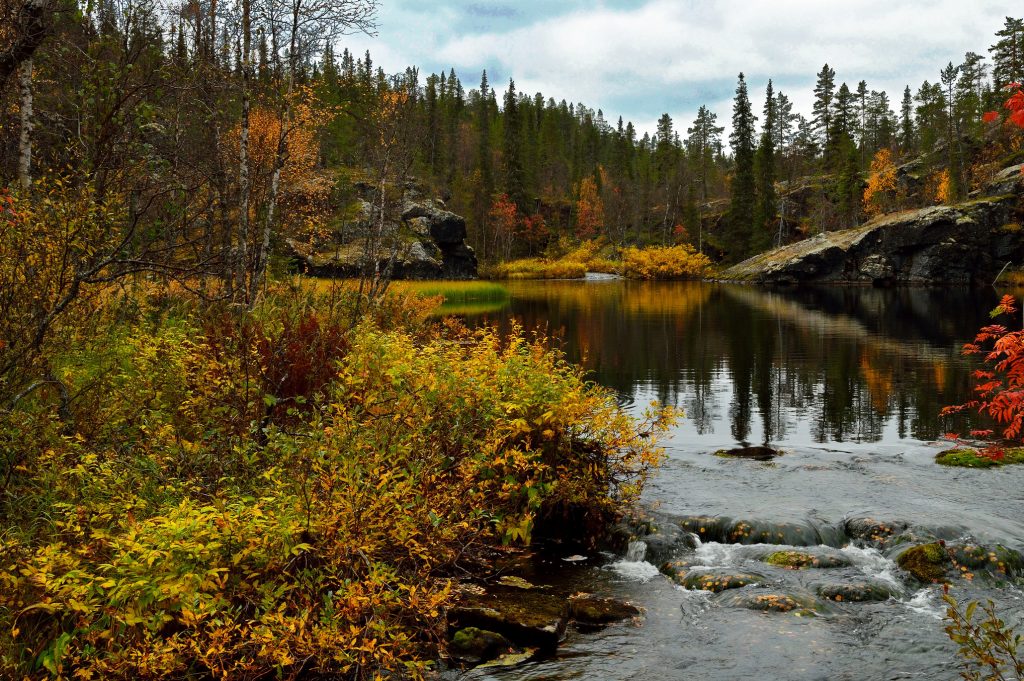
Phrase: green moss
x=799 y=560
x=926 y=562
x=972 y=458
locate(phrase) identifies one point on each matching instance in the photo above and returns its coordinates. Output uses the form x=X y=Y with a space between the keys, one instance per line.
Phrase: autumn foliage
x=277 y=495
x=1014 y=106
x=1000 y=387
x=589 y=210
x=880 y=194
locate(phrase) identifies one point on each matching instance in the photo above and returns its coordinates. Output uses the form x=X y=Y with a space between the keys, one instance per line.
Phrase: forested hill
x=144 y=99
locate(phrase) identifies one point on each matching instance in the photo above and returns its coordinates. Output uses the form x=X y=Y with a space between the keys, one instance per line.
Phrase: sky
x=641 y=58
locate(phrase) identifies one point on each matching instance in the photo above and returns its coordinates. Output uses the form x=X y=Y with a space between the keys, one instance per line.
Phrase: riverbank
x=286 y=492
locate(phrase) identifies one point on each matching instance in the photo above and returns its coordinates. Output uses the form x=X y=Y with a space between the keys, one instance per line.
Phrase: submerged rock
x=711 y=579
x=752 y=453
x=857 y=592
x=593 y=611
x=803 y=605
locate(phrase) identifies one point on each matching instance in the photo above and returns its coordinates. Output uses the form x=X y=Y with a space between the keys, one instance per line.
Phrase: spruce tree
x=483 y=120
x=908 y=136
x=824 y=91
x=514 y=182
x=743 y=199
x=767 y=203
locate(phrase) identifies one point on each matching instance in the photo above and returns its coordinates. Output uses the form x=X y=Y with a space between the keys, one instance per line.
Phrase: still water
x=848 y=382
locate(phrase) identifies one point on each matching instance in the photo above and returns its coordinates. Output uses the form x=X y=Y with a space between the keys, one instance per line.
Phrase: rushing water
x=848 y=383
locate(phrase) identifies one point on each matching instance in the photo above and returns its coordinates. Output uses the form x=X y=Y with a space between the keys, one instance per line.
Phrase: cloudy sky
x=641 y=58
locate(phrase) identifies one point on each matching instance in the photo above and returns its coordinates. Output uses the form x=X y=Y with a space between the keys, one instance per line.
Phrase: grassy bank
x=651 y=262
x=279 y=494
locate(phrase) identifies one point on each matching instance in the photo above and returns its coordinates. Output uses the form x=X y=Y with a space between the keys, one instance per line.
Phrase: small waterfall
x=636 y=552
x=633 y=566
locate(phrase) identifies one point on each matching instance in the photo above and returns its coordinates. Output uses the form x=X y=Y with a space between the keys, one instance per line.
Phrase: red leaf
x=990 y=116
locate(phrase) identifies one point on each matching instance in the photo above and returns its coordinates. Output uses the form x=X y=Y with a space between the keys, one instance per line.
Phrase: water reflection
x=756 y=366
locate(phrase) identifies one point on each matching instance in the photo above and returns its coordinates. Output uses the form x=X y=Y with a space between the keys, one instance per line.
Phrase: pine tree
x=1008 y=53
x=824 y=91
x=764 y=164
x=953 y=150
x=741 y=207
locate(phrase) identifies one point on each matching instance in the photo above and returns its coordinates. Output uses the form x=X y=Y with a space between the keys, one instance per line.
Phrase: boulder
x=527 y=618
x=474 y=645
x=927 y=563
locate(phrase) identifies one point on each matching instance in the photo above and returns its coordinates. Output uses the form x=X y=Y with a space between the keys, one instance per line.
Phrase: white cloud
x=672 y=55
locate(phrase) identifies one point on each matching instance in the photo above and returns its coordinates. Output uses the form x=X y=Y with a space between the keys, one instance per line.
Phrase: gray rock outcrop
x=963 y=244
x=425 y=240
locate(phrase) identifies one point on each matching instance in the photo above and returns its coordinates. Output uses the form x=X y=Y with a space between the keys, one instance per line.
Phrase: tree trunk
x=25 y=137
x=260 y=266
x=244 y=186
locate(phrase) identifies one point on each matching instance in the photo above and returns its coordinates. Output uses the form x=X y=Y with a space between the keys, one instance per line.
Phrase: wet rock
x=474 y=645
x=801 y=560
x=927 y=563
x=995 y=561
x=856 y=592
x=803 y=605
x=728 y=531
x=714 y=580
x=527 y=618
x=664 y=538
x=752 y=453
x=872 y=531
x=592 y=611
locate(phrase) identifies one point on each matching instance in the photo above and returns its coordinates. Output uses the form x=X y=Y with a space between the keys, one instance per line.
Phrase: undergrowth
x=283 y=493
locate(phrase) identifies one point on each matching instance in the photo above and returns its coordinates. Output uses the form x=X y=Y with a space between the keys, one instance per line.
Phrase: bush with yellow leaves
x=276 y=494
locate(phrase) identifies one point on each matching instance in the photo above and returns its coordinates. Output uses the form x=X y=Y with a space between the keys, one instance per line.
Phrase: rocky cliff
x=963 y=244
x=427 y=240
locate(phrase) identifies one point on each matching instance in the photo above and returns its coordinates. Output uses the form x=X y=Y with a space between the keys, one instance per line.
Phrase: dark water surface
x=848 y=382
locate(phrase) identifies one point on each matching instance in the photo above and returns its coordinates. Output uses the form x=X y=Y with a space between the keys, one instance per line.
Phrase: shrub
x=664 y=262
x=277 y=495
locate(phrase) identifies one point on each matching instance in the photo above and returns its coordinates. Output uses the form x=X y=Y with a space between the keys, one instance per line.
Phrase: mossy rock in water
x=926 y=562
x=774 y=601
x=800 y=560
x=478 y=645
x=856 y=592
x=963 y=457
x=527 y=618
x=717 y=580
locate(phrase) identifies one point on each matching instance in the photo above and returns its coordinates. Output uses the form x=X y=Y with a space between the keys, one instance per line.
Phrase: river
x=848 y=383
